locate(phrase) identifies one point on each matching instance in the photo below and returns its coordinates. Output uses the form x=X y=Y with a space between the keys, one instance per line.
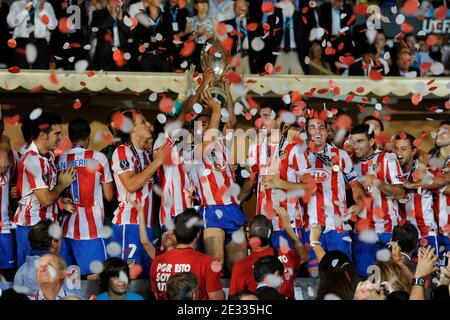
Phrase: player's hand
x=272 y=182
x=208 y=76
x=67 y=177
x=426 y=260
x=353 y=210
x=162 y=153
x=210 y=101
x=315 y=232
x=68 y=205
x=4 y=162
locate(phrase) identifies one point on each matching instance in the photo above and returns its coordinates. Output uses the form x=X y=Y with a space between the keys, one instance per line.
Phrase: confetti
x=55 y=231
x=383 y=255
x=96 y=267
x=36 y=113
x=113 y=249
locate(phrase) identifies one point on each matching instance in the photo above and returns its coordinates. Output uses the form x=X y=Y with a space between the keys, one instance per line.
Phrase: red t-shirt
x=184 y=260
x=242 y=276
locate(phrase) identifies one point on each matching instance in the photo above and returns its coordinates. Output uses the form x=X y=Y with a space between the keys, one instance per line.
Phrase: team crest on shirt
x=124 y=165
x=375 y=167
x=3 y=180
x=321 y=175
x=282 y=154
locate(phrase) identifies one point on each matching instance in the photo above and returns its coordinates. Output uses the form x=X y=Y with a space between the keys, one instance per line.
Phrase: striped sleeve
x=393 y=171
x=122 y=160
x=103 y=168
x=34 y=167
x=299 y=161
x=350 y=173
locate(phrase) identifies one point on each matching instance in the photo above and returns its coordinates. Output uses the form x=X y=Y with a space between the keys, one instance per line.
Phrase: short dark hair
x=276 y=106
x=262 y=228
x=444 y=123
x=182 y=286
x=407 y=237
x=240 y=294
x=26 y=128
x=44 y=123
x=369 y=48
x=363 y=128
x=39 y=238
x=186 y=234
x=265 y=266
x=111 y=269
x=79 y=129
x=368 y=118
x=408 y=137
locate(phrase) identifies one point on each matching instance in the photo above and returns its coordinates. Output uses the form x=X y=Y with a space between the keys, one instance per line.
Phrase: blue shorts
x=330 y=240
x=23 y=246
x=127 y=236
x=7 y=251
x=283 y=234
x=365 y=254
x=230 y=220
x=444 y=242
x=83 y=252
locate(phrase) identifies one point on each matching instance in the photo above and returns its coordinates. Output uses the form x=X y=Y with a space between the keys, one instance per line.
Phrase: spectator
x=155 y=27
x=383 y=189
x=383 y=51
x=317 y=65
x=41 y=242
x=290 y=39
x=110 y=32
x=115 y=279
x=38 y=185
x=243 y=295
x=330 y=19
x=177 y=18
x=260 y=237
x=221 y=10
x=268 y=273
x=417 y=56
x=244 y=57
x=404 y=66
x=405 y=241
x=368 y=62
x=50 y=275
x=182 y=286
x=32 y=32
x=201 y=28
x=83 y=222
x=184 y=258
x=393 y=278
x=337 y=276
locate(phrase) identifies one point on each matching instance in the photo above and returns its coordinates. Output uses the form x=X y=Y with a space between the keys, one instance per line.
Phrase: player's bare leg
x=213 y=240
x=235 y=251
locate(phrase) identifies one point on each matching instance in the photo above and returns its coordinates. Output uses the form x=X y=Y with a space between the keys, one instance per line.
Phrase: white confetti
x=378 y=106
x=184 y=64
x=159 y=37
x=387 y=56
x=288 y=117
x=400 y=19
x=420 y=87
x=161 y=118
x=238 y=236
x=81 y=66
x=113 y=249
x=66 y=46
x=168 y=222
x=71 y=59
x=127 y=56
x=36 y=113
x=30 y=53
x=348 y=239
x=197 y=108
x=368 y=236
x=311 y=292
x=96 y=267
x=127 y=125
x=55 y=231
x=307 y=60
x=219 y=213
x=273 y=281
x=384 y=255
x=123 y=276
x=257 y=44
x=245 y=174
x=153 y=97
x=334 y=263
x=192 y=222
x=206 y=172
x=87 y=47
x=105 y=232
x=331 y=296
x=437 y=68
x=411 y=74
x=287 y=99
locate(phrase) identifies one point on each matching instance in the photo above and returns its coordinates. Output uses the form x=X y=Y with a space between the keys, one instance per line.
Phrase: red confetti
x=12 y=43
x=360 y=9
x=360 y=89
x=252 y=26
x=347 y=60
x=344 y=122
x=188 y=48
x=375 y=75
x=440 y=13
x=254 y=242
x=385 y=100
x=410 y=7
x=36 y=89
x=117 y=55
x=406 y=27
x=12 y=120
x=53 y=78
x=44 y=19
x=267 y=7
x=14 y=69
x=417 y=142
x=90 y=73
x=77 y=104
x=425 y=65
x=416 y=98
x=431 y=40
x=329 y=51
x=423 y=242
x=227 y=44
x=221 y=29
x=268 y=68
x=63 y=25
x=258 y=123
x=82 y=83
x=166 y=104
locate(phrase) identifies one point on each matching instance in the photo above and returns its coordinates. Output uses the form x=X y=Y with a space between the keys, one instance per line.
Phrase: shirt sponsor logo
x=321 y=175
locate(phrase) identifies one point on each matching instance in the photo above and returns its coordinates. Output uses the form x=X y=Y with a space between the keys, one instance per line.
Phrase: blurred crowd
x=264 y=37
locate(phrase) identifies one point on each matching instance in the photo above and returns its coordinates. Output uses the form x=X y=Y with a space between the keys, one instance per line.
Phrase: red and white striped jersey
x=385 y=167
x=212 y=177
x=23 y=149
x=287 y=160
x=176 y=187
x=6 y=218
x=35 y=172
x=91 y=170
x=418 y=207
x=127 y=158
x=332 y=169
x=441 y=202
